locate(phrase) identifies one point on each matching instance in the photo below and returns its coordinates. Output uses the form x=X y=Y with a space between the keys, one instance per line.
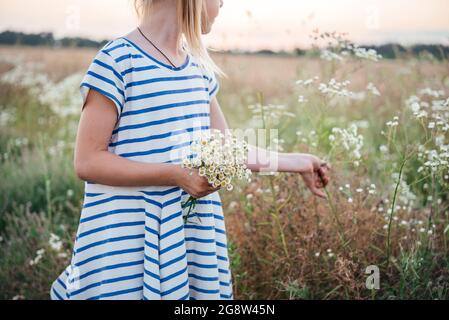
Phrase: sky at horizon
x=247 y=24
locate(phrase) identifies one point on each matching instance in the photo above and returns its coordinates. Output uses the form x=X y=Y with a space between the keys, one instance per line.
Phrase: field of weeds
x=382 y=124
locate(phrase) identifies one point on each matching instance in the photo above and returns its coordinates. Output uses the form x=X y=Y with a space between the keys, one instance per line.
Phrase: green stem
x=191 y=202
x=334 y=213
x=393 y=203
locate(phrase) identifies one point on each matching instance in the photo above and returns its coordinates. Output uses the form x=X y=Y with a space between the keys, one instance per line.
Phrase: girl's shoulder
x=118 y=49
x=118 y=56
x=106 y=73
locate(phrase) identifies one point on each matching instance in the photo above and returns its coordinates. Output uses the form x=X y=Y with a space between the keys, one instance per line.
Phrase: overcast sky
x=247 y=24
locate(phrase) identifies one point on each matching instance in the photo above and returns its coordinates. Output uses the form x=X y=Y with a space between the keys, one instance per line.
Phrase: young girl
x=145 y=94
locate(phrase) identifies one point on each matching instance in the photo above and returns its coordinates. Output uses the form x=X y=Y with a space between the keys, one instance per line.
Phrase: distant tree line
x=388 y=51
x=13 y=38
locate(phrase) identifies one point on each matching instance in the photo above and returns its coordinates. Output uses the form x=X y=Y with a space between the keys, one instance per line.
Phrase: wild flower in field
x=372 y=189
x=349 y=142
x=406 y=198
x=27 y=75
x=435 y=160
x=372 y=88
x=393 y=123
x=308 y=82
x=58 y=148
x=431 y=109
x=38 y=258
x=329 y=55
x=338 y=46
x=272 y=113
x=218 y=157
x=278 y=144
x=63 y=97
x=233 y=205
x=361 y=124
x=302 y=99
x=55 y=242
x=431 y=92
x=311 y=139
x=63 y=255
x=383 y=148
x=360 y=191
x=368 y=54
x=335 y=88
x=7 y=116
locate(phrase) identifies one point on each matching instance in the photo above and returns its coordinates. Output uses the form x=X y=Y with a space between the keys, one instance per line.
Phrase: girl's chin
x=207 y=28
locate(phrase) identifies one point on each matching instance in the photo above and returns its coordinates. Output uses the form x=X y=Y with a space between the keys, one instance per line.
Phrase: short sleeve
x=104 y=77
x=214 y=85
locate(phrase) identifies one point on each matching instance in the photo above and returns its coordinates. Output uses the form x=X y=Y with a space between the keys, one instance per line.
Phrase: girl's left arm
x=312 y=169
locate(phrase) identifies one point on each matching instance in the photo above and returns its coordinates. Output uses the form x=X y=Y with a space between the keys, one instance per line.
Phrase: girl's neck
x=161 y=27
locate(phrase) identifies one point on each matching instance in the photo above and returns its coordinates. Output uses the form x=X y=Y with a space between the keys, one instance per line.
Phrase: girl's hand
x=314 y=172
x=194 y=184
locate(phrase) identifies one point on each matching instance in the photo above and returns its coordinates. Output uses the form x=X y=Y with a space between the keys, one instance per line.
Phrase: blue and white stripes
x=160 y=108
x=131 y=242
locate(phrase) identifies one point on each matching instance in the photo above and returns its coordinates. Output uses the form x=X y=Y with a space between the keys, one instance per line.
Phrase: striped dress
x=132 y=242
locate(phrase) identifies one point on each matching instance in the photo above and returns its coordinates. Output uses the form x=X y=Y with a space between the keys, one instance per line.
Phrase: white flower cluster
x=26 y=75
x=435 y=110
x=335 y=88
x=55 y=242
x=330 y=55
x=363 y=53
x=38 y=258
x=349 y=140
x=431 y=108
x=217 y=161
x=62 y=97
x=372 y=88
x=431 y=92
x=405 y=201
x=347 y=191
x=406 y=198
x=393 y=123
x=311 y=138
x=339 y=47
x=435 y=160
x=272 y=112
x=307 y=82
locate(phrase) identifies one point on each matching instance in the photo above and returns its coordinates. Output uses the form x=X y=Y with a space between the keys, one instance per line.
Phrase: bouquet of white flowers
x=218 y=157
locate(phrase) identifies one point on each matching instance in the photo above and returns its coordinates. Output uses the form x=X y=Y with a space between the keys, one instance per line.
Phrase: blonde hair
x=191 y=18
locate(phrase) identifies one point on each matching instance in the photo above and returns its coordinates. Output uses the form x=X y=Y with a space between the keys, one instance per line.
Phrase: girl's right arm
x=93 y=162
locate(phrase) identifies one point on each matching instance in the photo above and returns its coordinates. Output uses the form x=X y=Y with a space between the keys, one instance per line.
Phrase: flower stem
x=340 y=228
x=191 y=202
x=393 y=203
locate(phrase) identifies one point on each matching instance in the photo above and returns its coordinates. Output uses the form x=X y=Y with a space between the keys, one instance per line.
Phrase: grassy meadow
x=383 y=125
